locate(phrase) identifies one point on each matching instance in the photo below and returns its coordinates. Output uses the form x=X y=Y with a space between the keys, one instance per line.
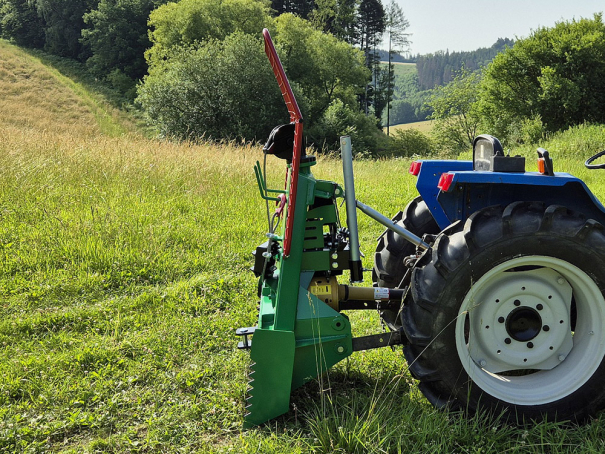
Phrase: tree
x=219 y=89
x=455 y=113
x=64 y=23
x=117 y=37
x=370 y=27
x=556 y=74
x=19 y=21
x=190 y=21
x=396 y=25
x=338 y=17
x=325 y=67
x=301 y=8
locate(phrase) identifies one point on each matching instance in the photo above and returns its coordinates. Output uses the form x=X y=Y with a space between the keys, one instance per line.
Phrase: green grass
x=423 y=126
x=125 y=272
x=402 y=69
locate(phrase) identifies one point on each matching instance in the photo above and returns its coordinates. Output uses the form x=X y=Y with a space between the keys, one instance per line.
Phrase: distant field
x=402 y=69
x=424 y=126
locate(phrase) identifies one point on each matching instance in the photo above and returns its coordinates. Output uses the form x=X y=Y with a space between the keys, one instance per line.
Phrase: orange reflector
x=541 y=166
x=415 y=168
x=445 y=181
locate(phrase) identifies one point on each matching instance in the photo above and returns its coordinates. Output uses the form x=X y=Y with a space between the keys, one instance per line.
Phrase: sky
x=466 y=25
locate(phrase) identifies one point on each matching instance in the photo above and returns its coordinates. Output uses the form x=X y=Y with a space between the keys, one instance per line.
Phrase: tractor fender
x=471 y=191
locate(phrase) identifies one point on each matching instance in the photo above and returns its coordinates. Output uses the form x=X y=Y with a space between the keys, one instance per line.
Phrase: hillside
x=125 y=271
x=40 y=97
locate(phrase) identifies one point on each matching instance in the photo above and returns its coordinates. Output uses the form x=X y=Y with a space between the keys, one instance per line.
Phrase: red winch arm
x=296 y=118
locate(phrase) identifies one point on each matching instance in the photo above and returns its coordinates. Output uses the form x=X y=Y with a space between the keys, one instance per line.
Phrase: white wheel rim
x=566 y=367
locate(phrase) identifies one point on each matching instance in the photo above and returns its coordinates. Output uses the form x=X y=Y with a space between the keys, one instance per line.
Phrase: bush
x=221 y=90
x=341 y=120
x=557 y=74
x=526 y=131
x=410 y=142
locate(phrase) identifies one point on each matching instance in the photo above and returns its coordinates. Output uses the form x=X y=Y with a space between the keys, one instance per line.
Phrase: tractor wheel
x=508 y=315
x=392 y=249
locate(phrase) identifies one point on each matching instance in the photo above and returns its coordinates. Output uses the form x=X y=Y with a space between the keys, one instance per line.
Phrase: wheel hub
x=521 y=320
x=523 y=324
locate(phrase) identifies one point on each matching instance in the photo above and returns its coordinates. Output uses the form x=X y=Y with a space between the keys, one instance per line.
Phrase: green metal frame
x=298 y=337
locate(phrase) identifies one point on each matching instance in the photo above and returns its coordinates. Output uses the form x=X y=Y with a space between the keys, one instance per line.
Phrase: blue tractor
x=505 y=310
x=492 y=279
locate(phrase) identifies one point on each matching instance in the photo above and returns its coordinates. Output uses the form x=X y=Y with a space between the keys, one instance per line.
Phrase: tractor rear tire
x=508 y=315
x=392 y=249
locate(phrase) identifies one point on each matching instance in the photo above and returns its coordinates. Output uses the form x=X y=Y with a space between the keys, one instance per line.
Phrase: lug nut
x=546 y=328
x=539 y=307
x=561 y=357
x=517 y=303
x=530 y=345
x=507 y=340
x=482 y=363
x=500 y=319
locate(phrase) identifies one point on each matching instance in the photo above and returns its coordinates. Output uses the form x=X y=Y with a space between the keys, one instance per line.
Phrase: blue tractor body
x=472 y=190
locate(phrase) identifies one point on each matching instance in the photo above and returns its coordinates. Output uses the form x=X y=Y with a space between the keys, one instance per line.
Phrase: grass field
x=423 y=126
x=125 y=272
x=402 y=69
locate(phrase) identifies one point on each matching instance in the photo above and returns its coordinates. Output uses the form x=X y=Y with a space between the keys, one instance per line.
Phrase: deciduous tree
x=556 y=74
x=117 y=37
x=217 y=90
x=191 y=21
x=455 y=112
x=20 y=21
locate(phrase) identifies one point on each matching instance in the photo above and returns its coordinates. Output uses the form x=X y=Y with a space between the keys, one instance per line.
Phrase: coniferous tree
x=396 y=25
x=301 y=8
x=338 y=17
x=370 y=27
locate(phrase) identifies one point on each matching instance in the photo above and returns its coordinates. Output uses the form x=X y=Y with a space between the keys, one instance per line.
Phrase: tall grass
x=125 y=271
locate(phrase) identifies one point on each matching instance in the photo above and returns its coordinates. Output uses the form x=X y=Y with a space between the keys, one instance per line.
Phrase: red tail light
x=445 y=181
x=415 y=168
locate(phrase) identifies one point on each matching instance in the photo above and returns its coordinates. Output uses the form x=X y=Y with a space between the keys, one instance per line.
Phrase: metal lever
x=347 y=170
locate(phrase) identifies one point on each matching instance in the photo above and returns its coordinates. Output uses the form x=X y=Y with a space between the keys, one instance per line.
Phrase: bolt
x=266 y=255
x=539 y=307
x=517 y=303
x=340 y=349
x=560 y=281
x=530 y=345
x=482 y=363
x=546 y=328
x=272 y=236
x=500 y=319
x=561 y=357
x=507 y=341
x=334 y=256
x=334 y=264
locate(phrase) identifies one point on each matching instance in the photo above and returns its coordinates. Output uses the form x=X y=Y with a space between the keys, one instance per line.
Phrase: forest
x=197 y=70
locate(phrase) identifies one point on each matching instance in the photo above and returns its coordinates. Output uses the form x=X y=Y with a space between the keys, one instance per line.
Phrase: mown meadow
x=124 y=271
